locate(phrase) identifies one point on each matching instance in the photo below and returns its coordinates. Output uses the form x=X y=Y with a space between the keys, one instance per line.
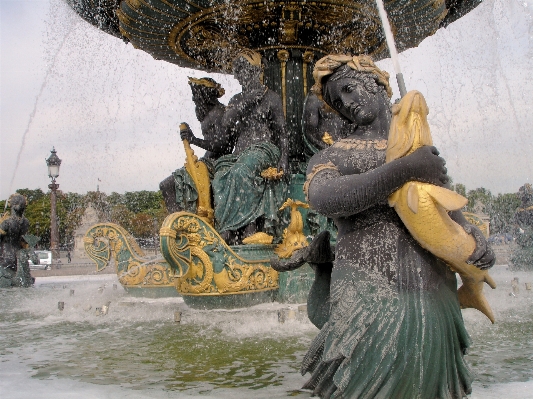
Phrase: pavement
x=77 y=266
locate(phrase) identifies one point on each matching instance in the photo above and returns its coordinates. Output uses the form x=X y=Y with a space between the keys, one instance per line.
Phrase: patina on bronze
x=207 y=35
x=245 y=201
x=392 y=307
x=14 y=251
x=179 y=190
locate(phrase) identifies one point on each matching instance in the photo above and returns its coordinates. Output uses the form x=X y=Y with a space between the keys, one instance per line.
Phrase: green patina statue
x=386 y=307
x=179 y=190
x=246 y=197
x=14 y=249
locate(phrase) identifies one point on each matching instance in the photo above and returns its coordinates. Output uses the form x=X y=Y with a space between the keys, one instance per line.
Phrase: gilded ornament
x=293 y=236
x=423 y=207
x=105 y=240
x=326 y=138
x=205 y=265
x=258 y=238
x=272 y=173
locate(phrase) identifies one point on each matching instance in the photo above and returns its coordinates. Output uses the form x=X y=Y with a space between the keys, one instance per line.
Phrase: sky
x=113 y=112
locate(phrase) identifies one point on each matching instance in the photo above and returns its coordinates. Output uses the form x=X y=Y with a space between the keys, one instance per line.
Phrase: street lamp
x=53 y=163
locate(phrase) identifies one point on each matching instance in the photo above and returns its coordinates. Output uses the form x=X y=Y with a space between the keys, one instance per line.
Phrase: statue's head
x=205 y=93
x=353 y=86
x=247 y=66
x=17 y=202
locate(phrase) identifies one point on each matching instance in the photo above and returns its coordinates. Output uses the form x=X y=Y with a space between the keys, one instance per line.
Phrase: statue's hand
x=283 y=165
x=426 y=166
x=483 y=256
x=186 y=132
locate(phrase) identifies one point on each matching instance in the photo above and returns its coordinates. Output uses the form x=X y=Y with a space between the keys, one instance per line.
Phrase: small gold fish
x=424 y=208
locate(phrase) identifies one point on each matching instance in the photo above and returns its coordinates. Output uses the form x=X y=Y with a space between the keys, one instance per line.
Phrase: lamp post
x=53 y=162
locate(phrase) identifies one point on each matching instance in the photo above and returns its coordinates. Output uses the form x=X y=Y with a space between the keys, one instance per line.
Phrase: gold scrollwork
x=307 y=58
x=106 y=240
x=206 y=265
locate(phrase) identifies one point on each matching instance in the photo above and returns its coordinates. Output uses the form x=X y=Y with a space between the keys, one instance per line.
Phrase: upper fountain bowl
x=206 y=34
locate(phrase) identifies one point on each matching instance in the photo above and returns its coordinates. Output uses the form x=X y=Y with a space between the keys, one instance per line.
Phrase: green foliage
x=501 y=208
x=477 y=198
x=141 y=212
x=459 y=189
x=522 y=258
x=525 y=193
x=31 y=195
x=502 y=213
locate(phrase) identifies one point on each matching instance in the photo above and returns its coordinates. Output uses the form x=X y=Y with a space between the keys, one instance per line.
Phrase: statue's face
x=350 y=98
x=18 y=203
x=245 y=72
x=200 y=99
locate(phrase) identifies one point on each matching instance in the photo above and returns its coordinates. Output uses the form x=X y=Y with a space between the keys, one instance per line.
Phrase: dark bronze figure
x=392 y=326
x=322 y=125
x=179 y=191
x=14 y=252
x=246 y=196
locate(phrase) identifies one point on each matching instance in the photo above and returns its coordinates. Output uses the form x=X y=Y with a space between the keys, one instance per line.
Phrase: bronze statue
x=14 y=255
x=321 y=125
x=247 y=187
x=179 y=190
x=388 y=310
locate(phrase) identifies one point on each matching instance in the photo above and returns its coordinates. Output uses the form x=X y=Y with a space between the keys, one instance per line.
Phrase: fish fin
x=393 y=198
x=412 y=197
x=448 y=199
x=490 y=281
x=467 y=299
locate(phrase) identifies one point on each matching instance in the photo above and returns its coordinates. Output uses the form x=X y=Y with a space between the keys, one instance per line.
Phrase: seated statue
x=321 y=125
x=246 y=197
x=179 y=190
x=12 y=245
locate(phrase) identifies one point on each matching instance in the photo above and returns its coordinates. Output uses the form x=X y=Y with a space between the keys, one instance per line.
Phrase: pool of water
x=137 y=350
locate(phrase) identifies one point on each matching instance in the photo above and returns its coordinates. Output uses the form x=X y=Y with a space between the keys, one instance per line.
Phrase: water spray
x=392 y=47
x=36 y=102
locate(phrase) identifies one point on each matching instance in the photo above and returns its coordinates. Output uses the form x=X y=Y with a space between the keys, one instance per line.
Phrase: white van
x=45 y=260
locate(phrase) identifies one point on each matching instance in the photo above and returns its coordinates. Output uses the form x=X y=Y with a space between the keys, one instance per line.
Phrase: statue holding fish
x=392 y=302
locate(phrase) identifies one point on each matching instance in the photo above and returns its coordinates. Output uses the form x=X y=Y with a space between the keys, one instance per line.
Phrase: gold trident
x=200 y=176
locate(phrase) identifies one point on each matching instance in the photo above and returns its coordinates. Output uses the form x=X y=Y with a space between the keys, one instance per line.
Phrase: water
x=138 y=351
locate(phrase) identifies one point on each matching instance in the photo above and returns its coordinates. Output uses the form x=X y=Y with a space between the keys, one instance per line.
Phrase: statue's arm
x=279 y=128
x=310 y=121
x=336 y=195
x=219 y=143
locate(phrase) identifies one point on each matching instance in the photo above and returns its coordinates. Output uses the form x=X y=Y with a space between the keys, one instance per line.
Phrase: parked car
x=45 y=261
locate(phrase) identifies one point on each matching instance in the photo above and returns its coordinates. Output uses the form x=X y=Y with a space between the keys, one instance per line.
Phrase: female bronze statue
x=393 y=326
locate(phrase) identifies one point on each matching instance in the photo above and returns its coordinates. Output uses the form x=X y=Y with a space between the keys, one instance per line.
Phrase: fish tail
x=490 y=281
x=469 y=300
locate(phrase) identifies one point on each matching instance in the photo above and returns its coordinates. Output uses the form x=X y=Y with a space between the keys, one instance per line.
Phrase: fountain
x=209 y=385
x=289 y=37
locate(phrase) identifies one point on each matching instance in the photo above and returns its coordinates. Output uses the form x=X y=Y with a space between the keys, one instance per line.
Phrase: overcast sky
x=112 y=112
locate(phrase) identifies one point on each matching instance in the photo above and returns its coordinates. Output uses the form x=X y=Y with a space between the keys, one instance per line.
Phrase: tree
x=476 y=198
x=502 y=213
x=459 y=189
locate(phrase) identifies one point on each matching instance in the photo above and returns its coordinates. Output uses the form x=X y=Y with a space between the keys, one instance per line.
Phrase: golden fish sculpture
x=424 y=207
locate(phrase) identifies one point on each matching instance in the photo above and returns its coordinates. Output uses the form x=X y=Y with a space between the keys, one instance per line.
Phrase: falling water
x=49 y=70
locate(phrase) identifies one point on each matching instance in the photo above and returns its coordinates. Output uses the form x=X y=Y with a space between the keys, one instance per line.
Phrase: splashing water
x=37 y=98
x=138 y=351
